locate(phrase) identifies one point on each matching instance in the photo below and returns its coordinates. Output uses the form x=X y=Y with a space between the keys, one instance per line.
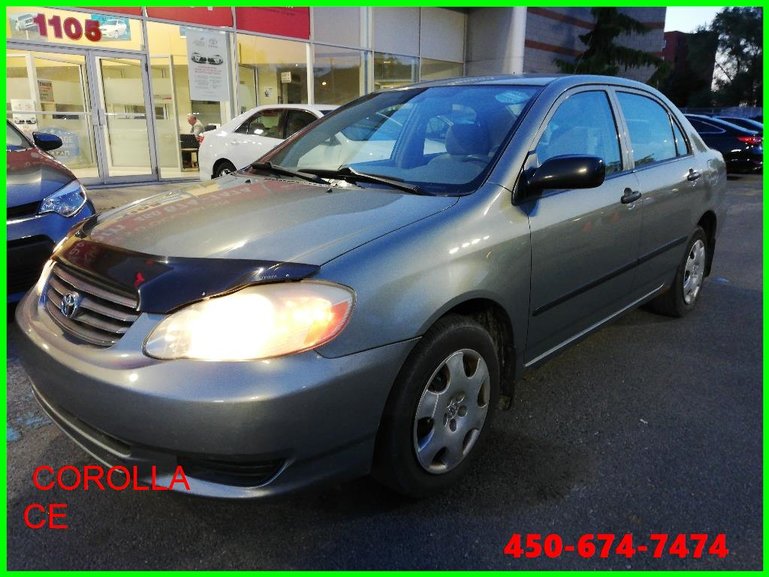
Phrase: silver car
x=364 y=297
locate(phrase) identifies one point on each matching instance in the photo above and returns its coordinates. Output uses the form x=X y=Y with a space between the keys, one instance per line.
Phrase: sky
x=687 y=18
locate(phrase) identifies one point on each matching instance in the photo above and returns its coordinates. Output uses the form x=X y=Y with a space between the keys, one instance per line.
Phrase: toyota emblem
x=70 y=304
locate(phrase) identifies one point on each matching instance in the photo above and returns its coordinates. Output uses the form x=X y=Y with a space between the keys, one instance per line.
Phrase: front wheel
x=687 y=285
x=223 y=168
x=439 y=410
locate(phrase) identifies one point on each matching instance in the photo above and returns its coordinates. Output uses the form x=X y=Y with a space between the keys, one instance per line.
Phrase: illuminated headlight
x=257 y=322
x=66 y=201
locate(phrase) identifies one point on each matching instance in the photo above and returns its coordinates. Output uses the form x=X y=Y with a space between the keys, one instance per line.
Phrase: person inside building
x=196 y=126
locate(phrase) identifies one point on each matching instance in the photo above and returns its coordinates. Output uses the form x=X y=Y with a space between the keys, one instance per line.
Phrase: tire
x=225 y=167
x=683 y=295
x=439 y=410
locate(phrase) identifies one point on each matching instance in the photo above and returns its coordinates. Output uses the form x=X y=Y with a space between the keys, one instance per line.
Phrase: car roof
x=565 y=80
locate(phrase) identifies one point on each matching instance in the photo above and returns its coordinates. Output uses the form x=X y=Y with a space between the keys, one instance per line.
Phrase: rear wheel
x=224 y=167
x=439 y=410
x=687 y=286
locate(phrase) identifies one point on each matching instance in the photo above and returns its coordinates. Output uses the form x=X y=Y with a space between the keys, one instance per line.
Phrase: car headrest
x=464 y=139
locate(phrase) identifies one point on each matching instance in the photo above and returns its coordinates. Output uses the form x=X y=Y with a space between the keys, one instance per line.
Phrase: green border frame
x=382 y=3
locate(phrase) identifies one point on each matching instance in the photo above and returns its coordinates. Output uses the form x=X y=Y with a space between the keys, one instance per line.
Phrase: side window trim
x=677 y=125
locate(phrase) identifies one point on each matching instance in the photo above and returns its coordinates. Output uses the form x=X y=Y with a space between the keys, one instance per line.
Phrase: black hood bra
x=164 y=284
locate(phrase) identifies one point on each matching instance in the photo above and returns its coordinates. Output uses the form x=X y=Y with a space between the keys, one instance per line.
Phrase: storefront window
x=337 y=75
x=173 y=90
x=391 y=71
x=83 y=29
x=437 y=69
x=275 y=70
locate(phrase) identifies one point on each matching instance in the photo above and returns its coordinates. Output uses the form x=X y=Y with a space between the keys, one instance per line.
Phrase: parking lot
x=651 y=425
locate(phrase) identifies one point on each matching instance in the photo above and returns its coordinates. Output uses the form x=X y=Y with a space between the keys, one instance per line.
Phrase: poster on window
x=209 y=63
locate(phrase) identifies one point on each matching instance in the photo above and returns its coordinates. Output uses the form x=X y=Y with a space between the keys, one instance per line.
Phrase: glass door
x=125 y=131
x=47 y=92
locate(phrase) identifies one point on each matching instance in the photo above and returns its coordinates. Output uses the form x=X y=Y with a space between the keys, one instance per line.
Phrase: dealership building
x=91 y=75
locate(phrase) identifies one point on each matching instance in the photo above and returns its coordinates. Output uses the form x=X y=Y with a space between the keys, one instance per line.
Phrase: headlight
x=257 y=322
x=66 y=201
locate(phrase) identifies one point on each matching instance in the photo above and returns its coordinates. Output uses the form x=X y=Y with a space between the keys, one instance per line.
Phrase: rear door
x=670 y=180
x=584 y=242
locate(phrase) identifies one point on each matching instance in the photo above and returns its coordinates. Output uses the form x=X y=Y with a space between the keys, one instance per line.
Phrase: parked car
x=25 y=22
x=748 y=123
x=246 y=137
x=743 y=149
x=300 y=321
x=43 y=201
x=114 y=28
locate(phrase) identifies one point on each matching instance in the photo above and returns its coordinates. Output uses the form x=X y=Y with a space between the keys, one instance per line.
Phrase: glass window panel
x=651 y=135
x=391 y=71
x=170 y=79
x=583 y=124
x=337 y=75
x=280 y=68
x=437 y=69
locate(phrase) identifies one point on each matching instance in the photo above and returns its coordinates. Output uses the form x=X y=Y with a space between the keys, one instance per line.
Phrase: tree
x=689 y=82
x=603 y=55
x=740 y=59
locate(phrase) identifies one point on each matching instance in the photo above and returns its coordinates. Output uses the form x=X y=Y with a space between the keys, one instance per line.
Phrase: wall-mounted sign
x=71 y=27
x=285 y=77
x=45 y=90
x=113 y=27
x=208 y=65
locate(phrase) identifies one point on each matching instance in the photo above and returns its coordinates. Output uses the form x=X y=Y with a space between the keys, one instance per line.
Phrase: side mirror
x=574 y=171
x=45 y=141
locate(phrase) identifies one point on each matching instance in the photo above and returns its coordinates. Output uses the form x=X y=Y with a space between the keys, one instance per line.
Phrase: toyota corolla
x=362 y=298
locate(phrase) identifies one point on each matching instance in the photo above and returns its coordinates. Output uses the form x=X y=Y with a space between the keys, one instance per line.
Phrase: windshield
x=442 y=139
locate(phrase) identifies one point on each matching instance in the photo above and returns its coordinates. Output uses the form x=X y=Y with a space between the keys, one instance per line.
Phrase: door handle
x=630 y=196
x=693 y=175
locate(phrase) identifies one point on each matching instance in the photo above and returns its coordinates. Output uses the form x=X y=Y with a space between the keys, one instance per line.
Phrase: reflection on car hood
x=270 y=219
x=33 y=175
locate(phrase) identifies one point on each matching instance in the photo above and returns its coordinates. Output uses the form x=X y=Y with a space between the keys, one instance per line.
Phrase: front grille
x=104 y=315
x=22 y=211
x=26 y=258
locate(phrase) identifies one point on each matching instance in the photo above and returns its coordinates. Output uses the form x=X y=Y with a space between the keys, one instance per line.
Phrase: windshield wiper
x=349 y=173
x=276 y=169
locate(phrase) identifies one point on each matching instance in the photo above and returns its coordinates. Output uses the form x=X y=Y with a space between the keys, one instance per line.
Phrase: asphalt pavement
x=650 y=426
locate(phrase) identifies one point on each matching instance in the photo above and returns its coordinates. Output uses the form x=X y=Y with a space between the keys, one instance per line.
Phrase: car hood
x=32 y=175
x=238 y=217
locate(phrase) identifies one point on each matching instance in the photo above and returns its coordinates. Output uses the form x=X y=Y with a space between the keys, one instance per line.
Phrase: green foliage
x=740 y=47
x=603 y=55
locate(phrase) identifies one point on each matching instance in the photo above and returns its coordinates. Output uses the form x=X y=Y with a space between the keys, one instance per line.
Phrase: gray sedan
x=363 y=298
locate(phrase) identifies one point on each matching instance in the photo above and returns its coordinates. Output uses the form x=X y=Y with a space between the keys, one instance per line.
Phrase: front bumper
x=240 y=430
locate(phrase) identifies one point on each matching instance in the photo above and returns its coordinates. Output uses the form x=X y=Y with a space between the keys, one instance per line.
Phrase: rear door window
x=649 y=127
